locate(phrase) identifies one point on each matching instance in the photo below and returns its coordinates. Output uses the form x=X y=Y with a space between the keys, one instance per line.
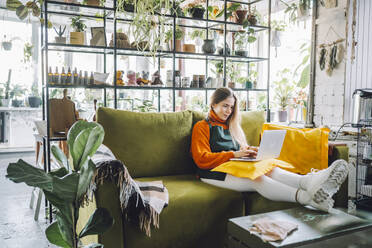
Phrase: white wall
x=329 y=90
x=359 y=71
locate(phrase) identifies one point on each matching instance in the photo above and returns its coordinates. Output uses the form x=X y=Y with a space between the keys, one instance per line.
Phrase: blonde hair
x=234 y=119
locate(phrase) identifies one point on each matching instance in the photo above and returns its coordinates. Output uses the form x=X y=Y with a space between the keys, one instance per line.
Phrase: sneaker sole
x=335 y=179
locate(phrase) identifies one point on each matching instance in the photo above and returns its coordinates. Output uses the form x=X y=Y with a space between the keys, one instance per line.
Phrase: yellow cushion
x=251 y=170
x=303 y=148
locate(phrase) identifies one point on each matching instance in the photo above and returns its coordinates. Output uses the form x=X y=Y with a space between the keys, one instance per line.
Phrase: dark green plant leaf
x=87 y=143
x=54 y=236
x=66 y=187
x=60 y=157
x=86 y=173
x=22 y=172
x=13 y=4
x=74 y=131
x=99 y=222
x=61 y=172
x=65 y=228
x=94 y=246
x=22 y=12
x=63 y=207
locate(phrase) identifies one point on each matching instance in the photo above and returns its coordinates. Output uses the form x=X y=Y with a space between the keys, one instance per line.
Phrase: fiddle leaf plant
x=66 y=187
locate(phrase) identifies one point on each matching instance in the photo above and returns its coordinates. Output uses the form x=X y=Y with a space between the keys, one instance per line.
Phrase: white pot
x=276 y=38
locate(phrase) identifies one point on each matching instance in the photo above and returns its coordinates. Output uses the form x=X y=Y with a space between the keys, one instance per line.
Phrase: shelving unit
x=364 y=168
x=109 y=17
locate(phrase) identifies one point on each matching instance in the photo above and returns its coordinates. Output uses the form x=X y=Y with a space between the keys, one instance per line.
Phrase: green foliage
x=242 y=37
x=146 y=106
x=27 y=52
x=64 y=188
x=218 y=64
x=283 y=89
x=304 y=67
x=201 y=33
x=5 y=90
x=278 y=25
x=169 y=34
x=77 y=24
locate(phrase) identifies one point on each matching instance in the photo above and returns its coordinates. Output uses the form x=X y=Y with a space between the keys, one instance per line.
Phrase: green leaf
x=63 y=207
x=22 y=12
x=65 y=228
x=251 y=39
x=54 y=236
x=13 y=4
x=95 y=245
x=99 y=222
x=61 y=172
x=87 y=143
x=60 y=157
x=72 y=135
x=66 y=187
x=22 y=172
x=305 y=77
x=87 y=171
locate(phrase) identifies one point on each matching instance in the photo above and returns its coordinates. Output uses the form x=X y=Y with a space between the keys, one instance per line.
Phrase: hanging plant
x=27 y=52
x=31 y=8
x=148 y=25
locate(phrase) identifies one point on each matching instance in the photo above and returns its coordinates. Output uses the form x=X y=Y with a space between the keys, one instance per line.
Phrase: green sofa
x=156 y=146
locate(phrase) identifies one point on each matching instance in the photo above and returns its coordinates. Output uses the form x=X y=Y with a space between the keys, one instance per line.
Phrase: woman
x=220 y=137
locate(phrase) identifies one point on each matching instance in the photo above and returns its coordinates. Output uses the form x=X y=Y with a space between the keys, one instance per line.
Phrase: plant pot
x=77 y=38
x=34 y=101
x=5 y=102
x=276 y=36
x=208 y=46
x=93 y=2
x=282 y=115
x=221 y=52
x=252 y=19
x=189 y=48
x=7 y=45
x=197 y=13
x=240 y=16
x=60 y=40
x=16 y=103
x=248 y=84
x=128 y=7
x=242 y=53
x=178 y=46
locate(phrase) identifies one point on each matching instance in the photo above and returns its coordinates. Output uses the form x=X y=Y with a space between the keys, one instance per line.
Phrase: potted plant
x=195 y=9
x=78 y=36
x=27 y=52
x=178 y=35
x=241 y=38
x=240 y=15
x=5 y=91
x=66 y=187
x=60 y=39
x=251 y=17
x=277 y=28
x=127 y=5
x=198 y=35
x=16 y=92
x=34 y=99
x=283 y=90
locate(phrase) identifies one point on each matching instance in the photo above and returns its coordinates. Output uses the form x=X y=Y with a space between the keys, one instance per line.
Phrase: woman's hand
x=245 y=153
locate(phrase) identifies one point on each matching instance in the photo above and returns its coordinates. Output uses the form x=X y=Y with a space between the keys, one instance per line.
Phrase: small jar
x=201 y=81
x=177 y=79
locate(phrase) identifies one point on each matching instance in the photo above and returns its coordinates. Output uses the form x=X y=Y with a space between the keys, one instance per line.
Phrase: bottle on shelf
x=75 y=77
x=50 y=76
x=81 y=79
x=56 y=78
x=69 y=77
x=91 y=79
x=86 y=79
x=63 y=76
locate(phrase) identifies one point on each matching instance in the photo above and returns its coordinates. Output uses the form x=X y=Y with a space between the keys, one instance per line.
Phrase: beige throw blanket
x=141 y=202
x=272 y=230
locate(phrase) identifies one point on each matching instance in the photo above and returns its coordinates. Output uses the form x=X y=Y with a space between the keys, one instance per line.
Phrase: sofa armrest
x=340 y=152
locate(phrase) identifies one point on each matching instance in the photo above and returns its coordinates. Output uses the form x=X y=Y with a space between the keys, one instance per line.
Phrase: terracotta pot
x=178 y=46
x=77 y=38
x=189 y=48
x=240 y=16
x=93 y=2
x=252 y=19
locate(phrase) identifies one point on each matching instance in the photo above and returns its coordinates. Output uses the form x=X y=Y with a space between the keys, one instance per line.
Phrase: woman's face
x=224 y=108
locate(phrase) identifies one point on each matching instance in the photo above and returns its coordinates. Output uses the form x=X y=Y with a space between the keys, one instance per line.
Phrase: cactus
x=60 y=32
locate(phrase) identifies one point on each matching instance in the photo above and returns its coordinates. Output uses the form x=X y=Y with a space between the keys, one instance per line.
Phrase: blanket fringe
x=116 y=172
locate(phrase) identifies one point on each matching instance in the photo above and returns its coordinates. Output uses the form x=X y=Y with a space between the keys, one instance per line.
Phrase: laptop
x=270 y=146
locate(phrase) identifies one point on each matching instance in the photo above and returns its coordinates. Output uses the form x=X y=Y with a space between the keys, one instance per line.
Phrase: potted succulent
x=78 y=36
x=60 y=39
x=169 y=38
x=34 y=99
x=241 y=38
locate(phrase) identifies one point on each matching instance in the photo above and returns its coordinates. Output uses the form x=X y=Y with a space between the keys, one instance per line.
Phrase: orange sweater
x=200 y=147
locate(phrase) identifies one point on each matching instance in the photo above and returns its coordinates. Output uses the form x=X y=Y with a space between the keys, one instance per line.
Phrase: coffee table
x=315 y=229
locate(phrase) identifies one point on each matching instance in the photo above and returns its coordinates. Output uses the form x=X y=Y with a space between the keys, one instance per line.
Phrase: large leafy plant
x=66 y=187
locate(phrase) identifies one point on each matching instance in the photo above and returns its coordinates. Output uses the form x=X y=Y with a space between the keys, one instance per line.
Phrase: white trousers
x=277 y=185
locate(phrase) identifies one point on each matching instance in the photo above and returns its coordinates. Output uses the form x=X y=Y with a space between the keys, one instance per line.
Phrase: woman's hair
x=233 y=121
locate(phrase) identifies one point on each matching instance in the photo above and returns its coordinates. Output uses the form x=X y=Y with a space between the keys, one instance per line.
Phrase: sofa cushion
x=251 y=123
x=197 y=213
x=149 y=144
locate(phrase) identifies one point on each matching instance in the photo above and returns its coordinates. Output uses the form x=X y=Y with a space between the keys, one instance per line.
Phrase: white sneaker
x=329 y=180
x=320 y=200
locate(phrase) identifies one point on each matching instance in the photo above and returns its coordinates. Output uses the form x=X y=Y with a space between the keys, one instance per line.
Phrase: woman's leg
x=264 y=185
